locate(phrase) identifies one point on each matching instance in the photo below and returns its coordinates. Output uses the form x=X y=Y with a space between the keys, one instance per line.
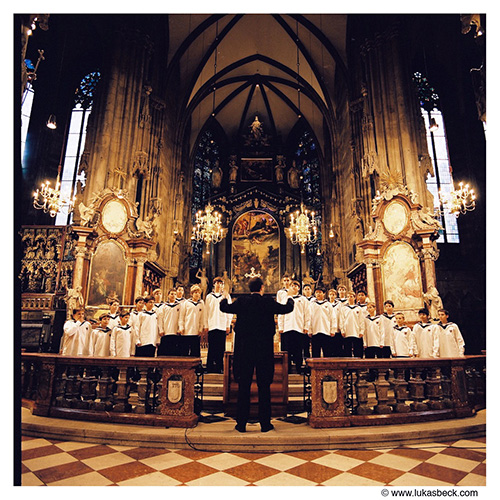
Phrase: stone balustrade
x=352 y=392
x=339 y=392
x=151 y=391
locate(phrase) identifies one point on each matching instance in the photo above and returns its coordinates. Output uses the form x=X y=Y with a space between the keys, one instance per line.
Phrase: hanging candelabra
x=50 y=199
x=458 y=201
x=208 y=227
x=303 y=229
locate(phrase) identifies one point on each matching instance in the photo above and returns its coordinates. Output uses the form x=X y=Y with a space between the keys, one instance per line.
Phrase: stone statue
x=86 y=214
x=278 y=169
x=293 y=176
x=233 y=171
x=175 y=258
x=73 y=299
x=202 y=276
x=145 y=226
x=256 y=129
x=433 y=302
x=228 y=284
x=309 y=280
x=216 y=175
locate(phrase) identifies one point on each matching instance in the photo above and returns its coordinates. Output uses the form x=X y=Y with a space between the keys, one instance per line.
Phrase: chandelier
x=208 y=227
x=303 y=229
x=50 y=199
x=458 y=201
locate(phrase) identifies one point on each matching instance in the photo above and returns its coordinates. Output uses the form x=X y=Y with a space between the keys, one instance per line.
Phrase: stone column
x=82 y=257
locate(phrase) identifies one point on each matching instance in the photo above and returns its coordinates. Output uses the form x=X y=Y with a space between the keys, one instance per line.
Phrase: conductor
x=253 y=349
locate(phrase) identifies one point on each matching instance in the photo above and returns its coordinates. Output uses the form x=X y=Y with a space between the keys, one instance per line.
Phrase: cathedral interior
x=160 y=150
x=257 y=117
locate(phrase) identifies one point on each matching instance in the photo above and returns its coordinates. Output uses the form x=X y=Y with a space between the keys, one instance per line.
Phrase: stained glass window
x=207 y=154
x=438 y=151
x=75 y=141
x=306 y=158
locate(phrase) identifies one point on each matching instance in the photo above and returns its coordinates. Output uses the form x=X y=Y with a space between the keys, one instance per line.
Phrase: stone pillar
x=82 y=258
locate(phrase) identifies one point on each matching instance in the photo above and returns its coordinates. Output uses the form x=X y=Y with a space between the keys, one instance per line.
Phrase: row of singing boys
x=154 y=327
x=346 y=324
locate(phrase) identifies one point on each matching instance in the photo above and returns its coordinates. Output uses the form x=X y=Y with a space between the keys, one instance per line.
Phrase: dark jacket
x=255 y=328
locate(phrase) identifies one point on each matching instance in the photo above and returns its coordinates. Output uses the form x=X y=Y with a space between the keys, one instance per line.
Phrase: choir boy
x=372 y=340
x=168 y=325
x=352 y=327
x=192 y=323
x=307 y=292
x=114 y=313
x=101 y=337
x=404 y=345
x=293 y=329
x=323 y=324
x=451 y=342
x=146 y=333
x=362 y=299
x=426 y=336
x=219 y=325
x=122 y=337
x=180 y=293
x=77 y=335
x=157 y=296
x=387 y=321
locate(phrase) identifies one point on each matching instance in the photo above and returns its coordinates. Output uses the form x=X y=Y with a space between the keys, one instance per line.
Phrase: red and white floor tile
x=66 y=463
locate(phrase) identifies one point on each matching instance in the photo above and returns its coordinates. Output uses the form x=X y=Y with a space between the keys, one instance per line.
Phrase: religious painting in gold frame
x=255 y=245
x=402 y=279
x=107 y=274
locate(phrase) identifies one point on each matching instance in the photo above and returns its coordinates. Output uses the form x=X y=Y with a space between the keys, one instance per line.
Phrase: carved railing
x=341 y=392
x=352 y=392
x=151 y=391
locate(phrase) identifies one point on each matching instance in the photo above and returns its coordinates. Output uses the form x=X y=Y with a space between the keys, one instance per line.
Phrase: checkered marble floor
x=65 y=463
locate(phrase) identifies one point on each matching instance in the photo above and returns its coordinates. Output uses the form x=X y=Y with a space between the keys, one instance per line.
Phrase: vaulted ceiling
x=236 y=67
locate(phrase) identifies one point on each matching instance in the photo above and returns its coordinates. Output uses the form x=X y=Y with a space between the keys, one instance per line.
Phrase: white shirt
x=387 y=324
x=352 y=321
x=101 y=338
x=146 y=331
x=323 y=317
x=451 y=342
x=373 y=331
x=121 y=342
x=404 y=342
x=216 y=319
x=168 y=318
x=298 y=320
x=426 y=339
x=192 y=317
x=77 y=339
x=114 y=320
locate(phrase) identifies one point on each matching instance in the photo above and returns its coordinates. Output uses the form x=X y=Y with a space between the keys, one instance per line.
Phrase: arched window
x=75 y=141
x=26 y=105
x=306 y=158
x=438 y=151
x=206 y=155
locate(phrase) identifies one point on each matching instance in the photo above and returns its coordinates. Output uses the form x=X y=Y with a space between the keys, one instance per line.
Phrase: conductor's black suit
x=253 y=349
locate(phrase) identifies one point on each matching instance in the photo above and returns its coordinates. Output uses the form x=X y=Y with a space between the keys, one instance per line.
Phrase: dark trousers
x=321 y=342
x=373 y=352
x=353 y=347
x=145 y=351
x=216 y=348
x=169 y=345
x=189 y=345
x=337 y=345
x=293 y=342
x=264 y=375
x=385 y=352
